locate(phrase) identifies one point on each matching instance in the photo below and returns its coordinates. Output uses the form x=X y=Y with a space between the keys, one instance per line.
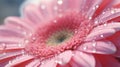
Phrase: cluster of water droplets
x=92 y=48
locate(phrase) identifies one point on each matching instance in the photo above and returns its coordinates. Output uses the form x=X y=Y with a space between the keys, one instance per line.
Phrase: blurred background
x=9 y=8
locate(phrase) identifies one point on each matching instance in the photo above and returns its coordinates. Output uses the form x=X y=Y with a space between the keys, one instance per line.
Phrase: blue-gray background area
x=9 y=8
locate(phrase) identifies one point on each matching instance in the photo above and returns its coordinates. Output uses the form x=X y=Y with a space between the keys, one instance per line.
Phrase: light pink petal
x=4 y=46
x=19 y=60
x=93 y=8
x=34 y=63
x=100 y=34
x=12 y=39
x=18 y=22
x=83 y=59
x=49 y=63
x=62 y=60
x=9 y=54
x=33 y=13
x=100 y=47
x=113 y=25
x=108 y=15
x=8 y=32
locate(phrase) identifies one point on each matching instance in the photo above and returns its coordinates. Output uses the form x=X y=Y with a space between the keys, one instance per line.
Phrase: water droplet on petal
x=89 y=18
x=10 y=62
x=26 y=41
x=96 y=22
x=59 y=61
x=94 y=44
x=2 y=46
x=103 y=12
x=60 y=2
x=85 y=48
x=105 y=24
x=20 y=45
x=102 y=36
x=94 y=50
x=76 y=31
x=97 y=6
x=23 y=52
x=112 y=11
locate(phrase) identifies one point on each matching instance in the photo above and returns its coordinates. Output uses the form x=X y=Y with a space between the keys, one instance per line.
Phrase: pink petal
x=18 y=22
x=49 y=63
x=4 y=46
x=108 y=15
x=100 y=34
x=19 y=60
x=100 y=47
x=114 y=25
x=8 y=32
x=93 y=7
x=9 y=54
x=32 y=13
x=104 y=5
x=33 y=63
x=62 y=60
x=83 y=59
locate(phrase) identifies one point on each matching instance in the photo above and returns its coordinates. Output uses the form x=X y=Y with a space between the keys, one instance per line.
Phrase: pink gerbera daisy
x=62 y=33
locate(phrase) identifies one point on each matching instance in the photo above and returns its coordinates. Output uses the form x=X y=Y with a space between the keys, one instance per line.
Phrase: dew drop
x=26 y=41
x=2 y=46
x=103 y=12
x=23 y=52
x=94 y=44
x=10 y=62
x=96 y=22
x=60 y=2
x=89 y=18
x=85 y=48
x=33 y=38
x=59 y=61
x=97 y=6
x=102 y=36
x=20 y=45
x=105 y=24
x=94 y=50
x=76 y=31
x=112 y=11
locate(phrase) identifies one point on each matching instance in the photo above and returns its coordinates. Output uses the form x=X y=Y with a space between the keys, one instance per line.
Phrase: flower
x=62 y=33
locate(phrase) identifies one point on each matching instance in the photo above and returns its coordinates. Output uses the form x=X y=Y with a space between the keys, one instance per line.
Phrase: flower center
x=59 y=37
x=50 y=38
